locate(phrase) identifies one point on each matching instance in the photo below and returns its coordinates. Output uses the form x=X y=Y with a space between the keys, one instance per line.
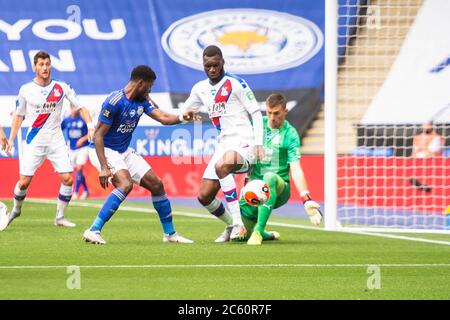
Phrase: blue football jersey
x=123 y=116
x=74 y=128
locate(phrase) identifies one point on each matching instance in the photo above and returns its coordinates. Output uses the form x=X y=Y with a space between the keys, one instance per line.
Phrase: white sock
x=228 y=186
x=65 y=193
x=218 y=209
x=19 y=197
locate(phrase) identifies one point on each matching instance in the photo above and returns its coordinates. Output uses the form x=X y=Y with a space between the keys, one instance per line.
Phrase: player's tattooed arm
x=169 y=119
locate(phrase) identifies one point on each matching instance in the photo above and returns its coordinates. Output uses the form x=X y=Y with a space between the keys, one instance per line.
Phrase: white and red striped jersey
x=42 y=106
x=230 y=102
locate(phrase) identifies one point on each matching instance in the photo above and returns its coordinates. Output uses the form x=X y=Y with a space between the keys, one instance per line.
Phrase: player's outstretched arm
x=169 y=119
x=15 y=126
x=312 y=208
x=99 y=144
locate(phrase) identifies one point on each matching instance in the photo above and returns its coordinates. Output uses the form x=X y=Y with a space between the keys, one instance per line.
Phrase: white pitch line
x=281 y=224
x=293 y=265
x=392 y=236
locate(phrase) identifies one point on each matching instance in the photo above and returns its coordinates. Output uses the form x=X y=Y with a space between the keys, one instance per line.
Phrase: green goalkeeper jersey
x=281 y=147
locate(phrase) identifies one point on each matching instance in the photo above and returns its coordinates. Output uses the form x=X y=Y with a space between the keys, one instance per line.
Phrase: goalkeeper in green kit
x=282 y=156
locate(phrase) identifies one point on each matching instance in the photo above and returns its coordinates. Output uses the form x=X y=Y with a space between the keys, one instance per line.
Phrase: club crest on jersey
x=132 y=113
x=140 y=110
x=252 y=40
x=55 y=94
x=224 y=92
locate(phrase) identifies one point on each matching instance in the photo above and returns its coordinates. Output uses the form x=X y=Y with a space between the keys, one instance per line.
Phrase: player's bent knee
x=221 y=169
x=126 y=187
x=270 y=178
x=204 y=199
x=157 y=187
x=67 y=180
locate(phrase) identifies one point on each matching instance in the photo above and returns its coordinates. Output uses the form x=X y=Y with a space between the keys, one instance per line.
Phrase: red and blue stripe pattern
x=222 y=95
x=55 y=95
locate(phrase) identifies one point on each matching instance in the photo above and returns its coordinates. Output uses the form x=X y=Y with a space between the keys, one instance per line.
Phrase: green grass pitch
x=136 y=264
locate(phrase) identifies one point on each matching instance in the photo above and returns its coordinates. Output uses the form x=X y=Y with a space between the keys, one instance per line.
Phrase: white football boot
x=238 y=232
x=63 y=222
x=93 y=237
x=225 y=236
x=176 y=238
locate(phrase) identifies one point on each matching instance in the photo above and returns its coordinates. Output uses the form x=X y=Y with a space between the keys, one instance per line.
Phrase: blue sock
x=162 y=206
x=78 y=181
x=83 y=181
x=110 y=206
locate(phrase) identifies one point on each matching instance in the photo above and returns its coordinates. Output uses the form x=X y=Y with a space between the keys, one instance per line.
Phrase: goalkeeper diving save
x=282 y=155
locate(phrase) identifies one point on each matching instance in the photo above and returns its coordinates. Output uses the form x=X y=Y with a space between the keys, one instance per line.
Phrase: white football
x=3 y=208
x=256 y=192
x=3 y=216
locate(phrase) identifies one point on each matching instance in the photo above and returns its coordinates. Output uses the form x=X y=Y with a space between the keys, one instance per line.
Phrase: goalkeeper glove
x=312 y=208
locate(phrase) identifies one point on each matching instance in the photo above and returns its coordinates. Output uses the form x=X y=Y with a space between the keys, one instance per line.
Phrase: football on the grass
x=256 y=192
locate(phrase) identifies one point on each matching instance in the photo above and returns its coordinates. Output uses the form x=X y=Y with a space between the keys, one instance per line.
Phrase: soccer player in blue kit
x=77 y=136
x=115 y=160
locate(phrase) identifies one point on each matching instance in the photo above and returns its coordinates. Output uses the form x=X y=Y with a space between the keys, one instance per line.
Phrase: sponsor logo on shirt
x=126 y=128
x=217 y=110
x=47 y=107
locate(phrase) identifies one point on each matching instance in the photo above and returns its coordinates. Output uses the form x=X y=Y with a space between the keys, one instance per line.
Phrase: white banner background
x=412 y=94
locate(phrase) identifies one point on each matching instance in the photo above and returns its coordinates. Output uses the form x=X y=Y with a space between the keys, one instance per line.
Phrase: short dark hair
x=275 y=99
x=143 y=72
x=40 y=55
x=211 y=51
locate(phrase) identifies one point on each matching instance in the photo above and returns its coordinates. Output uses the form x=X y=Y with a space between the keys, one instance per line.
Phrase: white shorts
x=78 y=157
x=128 y=160
x=34 y=155
x=244 y=149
